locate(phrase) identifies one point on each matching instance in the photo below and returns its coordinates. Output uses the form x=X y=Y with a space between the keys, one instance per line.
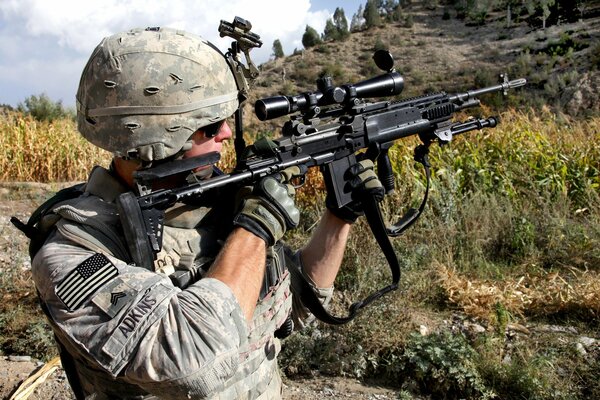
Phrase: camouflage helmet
x=143 y=93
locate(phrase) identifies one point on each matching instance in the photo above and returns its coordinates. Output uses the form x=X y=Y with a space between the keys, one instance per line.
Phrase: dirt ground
x=56 y=387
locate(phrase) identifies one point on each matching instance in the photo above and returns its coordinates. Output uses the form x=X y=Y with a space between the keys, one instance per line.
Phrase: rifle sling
x=411 y=216
x=382 y=234
x=312 y=302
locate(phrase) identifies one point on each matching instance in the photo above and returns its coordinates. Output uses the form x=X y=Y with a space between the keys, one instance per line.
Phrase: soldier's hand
x=267 y=209
x=364 y=182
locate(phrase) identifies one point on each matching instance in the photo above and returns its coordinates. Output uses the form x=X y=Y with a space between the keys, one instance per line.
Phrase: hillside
x=437 y=51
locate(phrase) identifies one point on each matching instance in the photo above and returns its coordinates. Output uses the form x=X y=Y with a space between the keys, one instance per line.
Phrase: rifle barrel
x=471 y=94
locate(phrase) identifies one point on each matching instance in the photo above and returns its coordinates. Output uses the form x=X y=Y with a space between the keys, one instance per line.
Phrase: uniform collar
x=104 y=184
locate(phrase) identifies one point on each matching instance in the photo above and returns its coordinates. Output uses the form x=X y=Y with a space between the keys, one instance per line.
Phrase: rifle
x=329 y=129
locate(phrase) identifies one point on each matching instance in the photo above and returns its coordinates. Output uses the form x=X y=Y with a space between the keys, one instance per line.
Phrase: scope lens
x=271 y=107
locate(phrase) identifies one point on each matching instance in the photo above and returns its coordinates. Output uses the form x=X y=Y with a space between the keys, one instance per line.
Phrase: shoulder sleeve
x=133 y=322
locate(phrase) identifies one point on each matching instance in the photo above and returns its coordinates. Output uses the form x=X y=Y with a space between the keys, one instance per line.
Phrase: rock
x=474 y=328
x=19 y=358
x=423 y=330
x=518 y=328
x=580 y=349
x=586 y=341
x=583 y=95
x=557 y=329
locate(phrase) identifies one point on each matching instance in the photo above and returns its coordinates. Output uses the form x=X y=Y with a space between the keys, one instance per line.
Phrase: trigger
x=298 y=181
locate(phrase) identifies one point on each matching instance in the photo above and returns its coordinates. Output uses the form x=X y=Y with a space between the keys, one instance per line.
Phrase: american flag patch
x=84 y=280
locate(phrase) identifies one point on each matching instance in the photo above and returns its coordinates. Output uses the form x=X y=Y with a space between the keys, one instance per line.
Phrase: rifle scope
x=387 y=84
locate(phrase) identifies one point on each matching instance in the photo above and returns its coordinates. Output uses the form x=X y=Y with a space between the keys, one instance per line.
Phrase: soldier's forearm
x=322 y=256
x=241 y=266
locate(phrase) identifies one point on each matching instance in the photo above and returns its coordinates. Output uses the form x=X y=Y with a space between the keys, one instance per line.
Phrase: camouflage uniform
x=132 y=332
x=127 y=331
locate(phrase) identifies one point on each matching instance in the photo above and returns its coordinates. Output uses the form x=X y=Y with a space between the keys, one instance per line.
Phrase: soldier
x=124 y=331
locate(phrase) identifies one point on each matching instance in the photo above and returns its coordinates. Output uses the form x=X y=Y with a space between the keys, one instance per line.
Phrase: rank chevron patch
x=114 y=297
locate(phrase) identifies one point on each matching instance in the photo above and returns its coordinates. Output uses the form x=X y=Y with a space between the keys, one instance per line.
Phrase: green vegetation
x=310 y=38
x=277 y=49
x=336 y=29
x=42 y=108
x=371 y=14
x=511 y=236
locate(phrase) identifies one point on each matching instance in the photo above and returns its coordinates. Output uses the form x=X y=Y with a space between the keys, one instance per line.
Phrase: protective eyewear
x=213 y=129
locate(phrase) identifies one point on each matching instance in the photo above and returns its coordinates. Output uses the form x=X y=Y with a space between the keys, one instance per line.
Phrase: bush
x=379 y=45
x=278 y=49
x=368 y=68
x=444 y=364
x=595 y=56
x=310 y=38
x=336 y=71
x=323 y=49
x=42 y=108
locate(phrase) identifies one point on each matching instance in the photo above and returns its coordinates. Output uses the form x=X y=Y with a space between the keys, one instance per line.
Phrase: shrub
x=323 y=49
x=278 y=49
x=336 y=71
x=595 y=56
x=368 y=68
x=444 y=364
x=310 y=37
x=42 y=108
x=379 y=45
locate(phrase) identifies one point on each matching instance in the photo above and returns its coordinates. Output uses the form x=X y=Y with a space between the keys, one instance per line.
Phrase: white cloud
x=45 y=41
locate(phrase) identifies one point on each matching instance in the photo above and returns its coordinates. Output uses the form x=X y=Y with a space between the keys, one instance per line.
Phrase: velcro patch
x=139 y=316
x=85 y=279
x=114 y=296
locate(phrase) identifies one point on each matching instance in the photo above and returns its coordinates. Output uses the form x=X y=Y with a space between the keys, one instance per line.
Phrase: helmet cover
x=143 y=93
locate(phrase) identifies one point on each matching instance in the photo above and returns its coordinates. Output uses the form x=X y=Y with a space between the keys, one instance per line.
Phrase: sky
x=44 y=44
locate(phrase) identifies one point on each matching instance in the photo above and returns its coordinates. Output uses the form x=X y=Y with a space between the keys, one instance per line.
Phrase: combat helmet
x=143 y=93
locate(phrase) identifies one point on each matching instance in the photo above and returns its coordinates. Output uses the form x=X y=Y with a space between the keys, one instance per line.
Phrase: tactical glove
x=267 y=209
x=364 y=182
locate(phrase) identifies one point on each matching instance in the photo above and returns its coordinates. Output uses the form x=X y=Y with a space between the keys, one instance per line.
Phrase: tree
x=336 y=28
x=371 y=14
x=510 y=7
x=43 y=108
x=277 y=49
x=545 y=4
x=330 y=32
x=310 y=38
x=341 y=23
x=390 y=9
x=358 y=20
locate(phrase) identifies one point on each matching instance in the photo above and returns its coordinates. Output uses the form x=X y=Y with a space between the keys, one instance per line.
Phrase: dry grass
x=545 y=293
x=33 y=151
